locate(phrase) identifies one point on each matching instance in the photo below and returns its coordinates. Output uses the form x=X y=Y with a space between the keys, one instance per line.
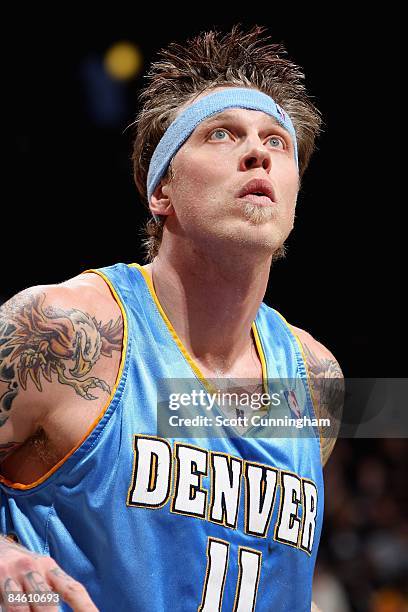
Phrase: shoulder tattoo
x=37 y=343
x=327 y=385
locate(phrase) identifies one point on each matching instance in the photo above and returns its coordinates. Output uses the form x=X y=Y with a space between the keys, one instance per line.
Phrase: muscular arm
x=59 y=346
x=327 y=385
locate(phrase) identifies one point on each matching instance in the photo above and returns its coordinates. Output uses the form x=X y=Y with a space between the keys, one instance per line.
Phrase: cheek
x=201 y=168
x=290 y=189
x=290 y=207
x=197 y=180
x=292 y=196
x=289 y=195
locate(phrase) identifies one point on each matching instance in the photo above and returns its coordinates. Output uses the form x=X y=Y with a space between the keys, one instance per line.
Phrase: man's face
x=235 y=182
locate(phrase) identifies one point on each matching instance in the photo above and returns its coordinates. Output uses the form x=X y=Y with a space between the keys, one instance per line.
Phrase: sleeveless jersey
x=205 y=523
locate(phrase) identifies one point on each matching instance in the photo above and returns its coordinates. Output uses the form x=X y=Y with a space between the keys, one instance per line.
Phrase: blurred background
x=73 y=82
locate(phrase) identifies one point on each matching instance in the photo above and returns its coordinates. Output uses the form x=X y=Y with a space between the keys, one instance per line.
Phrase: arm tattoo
x=36 y=342
x=327 y=383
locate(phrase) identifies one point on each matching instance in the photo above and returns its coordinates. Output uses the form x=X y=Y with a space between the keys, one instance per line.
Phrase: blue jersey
x=150 y=521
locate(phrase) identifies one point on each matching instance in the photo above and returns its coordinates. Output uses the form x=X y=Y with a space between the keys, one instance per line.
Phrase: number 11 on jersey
x=249 y=563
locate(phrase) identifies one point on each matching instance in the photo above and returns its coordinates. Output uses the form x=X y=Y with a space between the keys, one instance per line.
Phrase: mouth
x=259 y=192
x=258 y=199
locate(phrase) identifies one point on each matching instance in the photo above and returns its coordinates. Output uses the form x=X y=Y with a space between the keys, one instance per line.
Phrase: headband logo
x=281 y=112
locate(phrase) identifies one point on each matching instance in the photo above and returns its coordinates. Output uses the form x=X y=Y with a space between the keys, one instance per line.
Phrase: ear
x=160 y=203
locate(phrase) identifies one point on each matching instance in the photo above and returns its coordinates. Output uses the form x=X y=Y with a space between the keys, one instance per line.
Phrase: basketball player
x=99 y=507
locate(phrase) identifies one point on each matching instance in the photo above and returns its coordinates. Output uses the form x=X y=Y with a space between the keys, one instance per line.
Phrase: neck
x=211 y=302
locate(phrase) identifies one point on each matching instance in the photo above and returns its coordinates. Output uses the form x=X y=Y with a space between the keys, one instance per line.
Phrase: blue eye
x=219 y=134
x=276 y=141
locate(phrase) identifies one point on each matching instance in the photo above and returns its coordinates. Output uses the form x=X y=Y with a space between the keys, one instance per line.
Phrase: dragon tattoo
x=36 y=341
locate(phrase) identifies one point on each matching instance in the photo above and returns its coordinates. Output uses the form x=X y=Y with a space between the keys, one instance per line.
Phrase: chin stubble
x=258 y=214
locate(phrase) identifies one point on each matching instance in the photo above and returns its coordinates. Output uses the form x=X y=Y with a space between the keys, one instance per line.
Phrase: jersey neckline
x=192 y=364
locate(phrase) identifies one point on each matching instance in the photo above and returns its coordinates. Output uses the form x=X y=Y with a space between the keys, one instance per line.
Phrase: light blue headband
x=181 y=128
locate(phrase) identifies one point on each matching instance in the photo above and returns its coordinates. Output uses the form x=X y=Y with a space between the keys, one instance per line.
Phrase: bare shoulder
x=90 y=285
x=327 y=385
x=60 y=347
x=320 y=361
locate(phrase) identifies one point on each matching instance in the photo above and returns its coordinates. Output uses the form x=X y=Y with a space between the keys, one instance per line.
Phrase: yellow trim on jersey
x=261 y=354
x=183 y=349
x=170 y=327
x=18 y=485
x=304 y=359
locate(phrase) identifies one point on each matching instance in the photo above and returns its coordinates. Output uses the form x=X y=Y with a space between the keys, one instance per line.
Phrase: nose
x=256 y=157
